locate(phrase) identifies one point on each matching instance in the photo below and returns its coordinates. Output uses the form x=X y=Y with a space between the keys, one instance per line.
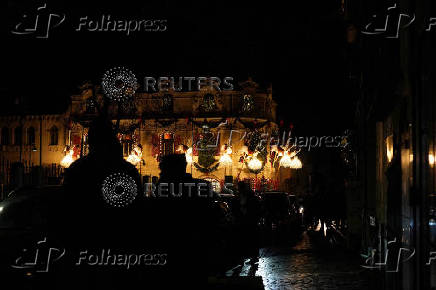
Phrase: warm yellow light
x=286 y=161
x=225 y=160
x=254 y=163
x=134 y=159
x=188 y=155
x=68 y=159
x=296 y=163
x=431 y=159
x=390 y=147
x=244 y=149
x=135 y=156
x=229 y=150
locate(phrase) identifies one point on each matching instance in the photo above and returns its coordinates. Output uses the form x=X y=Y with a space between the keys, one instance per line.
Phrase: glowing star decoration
x=296 y=163
x=119 y=84
x=254 y=164
x=286 y=161
x=188 y=155
x=225 y=160
x=68 y=159
x=135 y=156
x=119 y=189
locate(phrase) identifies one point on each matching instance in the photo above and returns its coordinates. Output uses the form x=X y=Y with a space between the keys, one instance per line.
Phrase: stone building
x=205 y=125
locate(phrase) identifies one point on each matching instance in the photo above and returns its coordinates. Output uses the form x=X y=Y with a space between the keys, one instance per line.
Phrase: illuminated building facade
x=220 y=133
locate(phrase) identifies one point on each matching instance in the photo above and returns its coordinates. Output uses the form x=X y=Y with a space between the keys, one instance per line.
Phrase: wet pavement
x=307 y=265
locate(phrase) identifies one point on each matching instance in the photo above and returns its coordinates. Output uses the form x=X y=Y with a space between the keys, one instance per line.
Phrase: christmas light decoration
x=254 y=164
x=188 y=155
x=225 y=160
x=68 y=159
x=286 y=161
x=135 y=156
x=119 y=189
x=247 y=103
x=119 y=83
x=296 y=163
x=290 y=160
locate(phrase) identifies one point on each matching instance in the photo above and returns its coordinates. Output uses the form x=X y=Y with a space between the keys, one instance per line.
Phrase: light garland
x=188 y=155
x=290 y=160
x=119 y=189
x=68 y=159
x=119 y=83
x=135 y=156
x=225 y=160
x=254 y=164
x=296 y=163
x=285 y=161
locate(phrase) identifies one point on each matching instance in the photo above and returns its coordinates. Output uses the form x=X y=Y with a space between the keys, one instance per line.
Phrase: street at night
x=218 y=145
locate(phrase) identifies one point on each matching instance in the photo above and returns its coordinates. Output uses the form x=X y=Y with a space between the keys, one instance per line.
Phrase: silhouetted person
x=101 y=208
x=251 y=210
x=183 y=221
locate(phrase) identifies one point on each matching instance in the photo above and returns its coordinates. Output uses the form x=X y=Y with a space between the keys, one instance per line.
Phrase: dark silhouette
x=84 y=181
x=88 y=222
x=183 y=221
x=250 y=215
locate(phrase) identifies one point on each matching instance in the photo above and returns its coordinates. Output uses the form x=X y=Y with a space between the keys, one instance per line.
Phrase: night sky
x=297 y=48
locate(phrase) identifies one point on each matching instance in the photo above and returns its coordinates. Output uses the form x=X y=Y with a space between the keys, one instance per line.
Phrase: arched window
x=30 y=136
x=5 y=136
x=18 y=135
x=54 y=135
